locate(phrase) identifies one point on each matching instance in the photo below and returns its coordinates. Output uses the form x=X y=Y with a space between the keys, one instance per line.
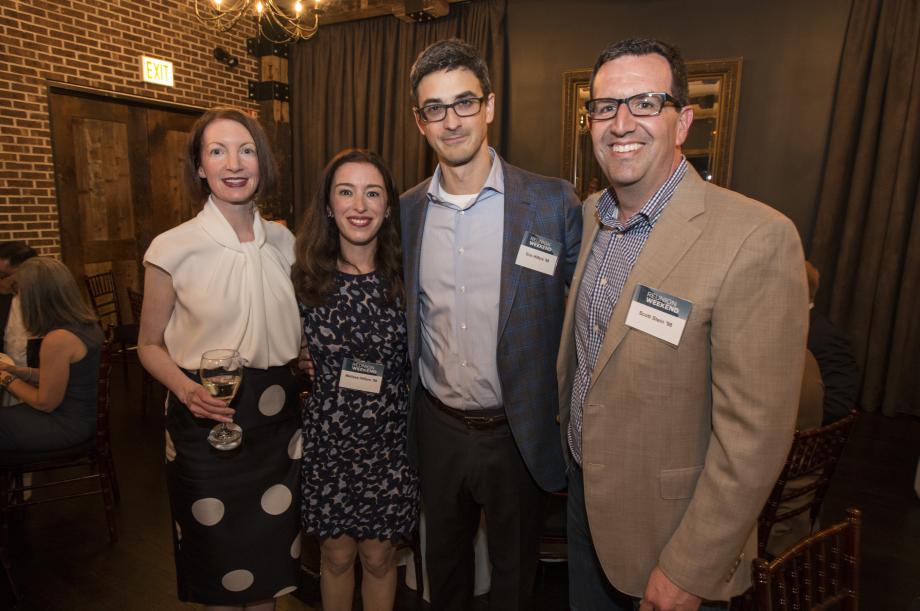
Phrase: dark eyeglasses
x=467 y=107
x=639 y=105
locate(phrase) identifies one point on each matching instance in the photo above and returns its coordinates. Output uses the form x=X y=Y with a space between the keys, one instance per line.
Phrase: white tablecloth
x=482 y=577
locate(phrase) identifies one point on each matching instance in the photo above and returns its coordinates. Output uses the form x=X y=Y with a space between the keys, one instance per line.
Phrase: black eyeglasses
x=639 y=105
x=467 y=107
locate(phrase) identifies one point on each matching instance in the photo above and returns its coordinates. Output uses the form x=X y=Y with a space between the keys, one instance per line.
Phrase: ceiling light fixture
x=277 y=24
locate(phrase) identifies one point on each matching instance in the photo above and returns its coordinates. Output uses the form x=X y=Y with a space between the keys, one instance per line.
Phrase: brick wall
x=97 y=44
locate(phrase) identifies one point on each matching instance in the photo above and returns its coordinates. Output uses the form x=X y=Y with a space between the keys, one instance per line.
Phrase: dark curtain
x=350 y=88
x=867 y=231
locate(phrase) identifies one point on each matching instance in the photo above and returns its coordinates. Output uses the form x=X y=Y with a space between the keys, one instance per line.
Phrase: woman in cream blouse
x=222 y=280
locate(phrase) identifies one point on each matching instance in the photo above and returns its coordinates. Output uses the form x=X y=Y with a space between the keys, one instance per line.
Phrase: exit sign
x=156 y=71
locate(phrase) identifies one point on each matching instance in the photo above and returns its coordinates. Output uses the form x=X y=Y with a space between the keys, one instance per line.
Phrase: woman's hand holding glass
x=221 y=375
x=200 y=402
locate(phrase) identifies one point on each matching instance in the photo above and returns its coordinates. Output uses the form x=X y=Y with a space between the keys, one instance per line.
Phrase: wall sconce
x=224 y=57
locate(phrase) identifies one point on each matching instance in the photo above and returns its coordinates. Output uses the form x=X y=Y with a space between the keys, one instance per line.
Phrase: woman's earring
x=386 y=214
x=329 y=213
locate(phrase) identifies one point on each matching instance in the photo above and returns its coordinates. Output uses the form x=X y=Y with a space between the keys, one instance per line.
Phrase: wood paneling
x=118 y=167
x=169 y=205
x=103 y=179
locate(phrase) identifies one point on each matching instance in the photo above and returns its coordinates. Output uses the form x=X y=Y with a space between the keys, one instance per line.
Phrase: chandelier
x=275 y=23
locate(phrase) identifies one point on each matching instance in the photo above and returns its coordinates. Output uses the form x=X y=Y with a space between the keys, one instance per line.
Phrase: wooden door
x=117 y=166
x=167 y=134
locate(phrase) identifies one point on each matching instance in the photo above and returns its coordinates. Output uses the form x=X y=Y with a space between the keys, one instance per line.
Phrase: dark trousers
x=463 y=472
x=589 y=589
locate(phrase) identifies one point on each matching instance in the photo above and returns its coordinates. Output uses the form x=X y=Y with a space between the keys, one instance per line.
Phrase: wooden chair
x=103 y=294
x=136 y=300
x=820 y=572
x=809 y=465
x=104 y=297
x=95 y=453
x=554 y=540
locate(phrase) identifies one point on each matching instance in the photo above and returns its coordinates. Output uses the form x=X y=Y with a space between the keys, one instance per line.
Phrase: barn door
x=167 y=133
x=117 y=166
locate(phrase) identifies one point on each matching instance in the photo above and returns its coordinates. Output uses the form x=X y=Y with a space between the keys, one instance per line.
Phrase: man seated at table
x=13 y=336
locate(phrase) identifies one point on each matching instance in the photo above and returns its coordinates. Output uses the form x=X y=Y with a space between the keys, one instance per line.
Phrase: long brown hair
x=317 y=246
x=49 y=296
x=197 y=187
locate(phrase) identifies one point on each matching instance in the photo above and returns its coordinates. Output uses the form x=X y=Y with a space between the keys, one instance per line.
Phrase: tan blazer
x=681 y=445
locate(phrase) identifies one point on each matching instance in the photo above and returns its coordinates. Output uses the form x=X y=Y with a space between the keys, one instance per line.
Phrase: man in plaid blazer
x=488 y=249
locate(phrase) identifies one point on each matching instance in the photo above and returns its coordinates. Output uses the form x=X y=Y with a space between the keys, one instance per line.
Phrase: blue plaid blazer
x=532 y=309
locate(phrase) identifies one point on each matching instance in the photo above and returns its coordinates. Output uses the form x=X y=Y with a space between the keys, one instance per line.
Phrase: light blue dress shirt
x=460 y=282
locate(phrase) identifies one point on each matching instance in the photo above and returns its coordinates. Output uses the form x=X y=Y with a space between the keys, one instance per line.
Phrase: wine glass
x=221 y=373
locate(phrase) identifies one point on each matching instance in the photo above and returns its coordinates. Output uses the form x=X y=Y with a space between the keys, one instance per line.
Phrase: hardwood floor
x=63 y=561
x=876 y=474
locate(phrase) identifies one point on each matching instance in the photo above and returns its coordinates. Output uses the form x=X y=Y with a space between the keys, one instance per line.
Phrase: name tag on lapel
x=658 y=314
x=539 y=254
x=361 y=375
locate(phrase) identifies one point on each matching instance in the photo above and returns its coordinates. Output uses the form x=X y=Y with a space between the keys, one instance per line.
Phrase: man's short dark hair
x=449 y=55
x=648 y=46
x=16 y=252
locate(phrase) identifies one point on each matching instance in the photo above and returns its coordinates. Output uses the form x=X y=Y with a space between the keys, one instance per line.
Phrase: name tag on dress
x=539 y=253
x=658 y=314
x=361 y=375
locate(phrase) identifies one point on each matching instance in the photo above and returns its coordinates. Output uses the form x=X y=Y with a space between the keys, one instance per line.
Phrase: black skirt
x=236 y=527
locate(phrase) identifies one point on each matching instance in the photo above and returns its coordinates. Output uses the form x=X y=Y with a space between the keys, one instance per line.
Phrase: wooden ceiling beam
x=356 y=10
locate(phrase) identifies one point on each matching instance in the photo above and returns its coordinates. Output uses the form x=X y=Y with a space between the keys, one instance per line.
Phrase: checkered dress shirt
x=613 y=255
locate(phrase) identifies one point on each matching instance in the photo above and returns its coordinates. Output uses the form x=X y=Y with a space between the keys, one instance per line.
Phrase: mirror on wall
x=715 y=87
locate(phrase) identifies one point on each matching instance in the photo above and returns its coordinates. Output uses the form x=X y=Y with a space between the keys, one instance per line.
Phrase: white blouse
x=15 y=340
x=229 y=294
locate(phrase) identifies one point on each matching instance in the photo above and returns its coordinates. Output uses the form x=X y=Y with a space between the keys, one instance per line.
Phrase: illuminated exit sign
x=157 y=71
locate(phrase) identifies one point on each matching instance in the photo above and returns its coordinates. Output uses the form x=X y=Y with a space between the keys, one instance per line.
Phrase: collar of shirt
x=608 y=208
x=495 y=182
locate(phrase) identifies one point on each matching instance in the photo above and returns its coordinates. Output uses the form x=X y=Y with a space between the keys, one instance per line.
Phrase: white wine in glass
x=221 y=373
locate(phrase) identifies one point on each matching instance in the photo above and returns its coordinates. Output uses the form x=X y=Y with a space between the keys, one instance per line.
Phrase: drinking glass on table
x=221 y=373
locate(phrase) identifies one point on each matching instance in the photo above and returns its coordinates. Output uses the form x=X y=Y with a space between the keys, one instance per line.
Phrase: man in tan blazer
x=681 y=356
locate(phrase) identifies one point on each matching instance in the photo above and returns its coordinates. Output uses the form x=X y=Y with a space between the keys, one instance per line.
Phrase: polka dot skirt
x=236 y=514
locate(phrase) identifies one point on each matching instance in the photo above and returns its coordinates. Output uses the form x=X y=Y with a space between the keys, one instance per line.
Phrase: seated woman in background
x=58 y=399
x=359 y=493
x=787 y=533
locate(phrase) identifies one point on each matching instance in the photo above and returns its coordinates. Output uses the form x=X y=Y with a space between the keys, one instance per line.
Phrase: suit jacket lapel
x=566 y=359
x=518 y=220
x=671 y=238
x=415 y=225
x=592 y=225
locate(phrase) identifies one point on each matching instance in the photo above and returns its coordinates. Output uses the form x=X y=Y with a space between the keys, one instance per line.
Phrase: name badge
x=361 y=375
x=658 y=314
x=539 y=254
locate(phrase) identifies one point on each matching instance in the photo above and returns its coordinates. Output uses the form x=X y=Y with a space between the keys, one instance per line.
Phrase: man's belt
x=470 y=419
